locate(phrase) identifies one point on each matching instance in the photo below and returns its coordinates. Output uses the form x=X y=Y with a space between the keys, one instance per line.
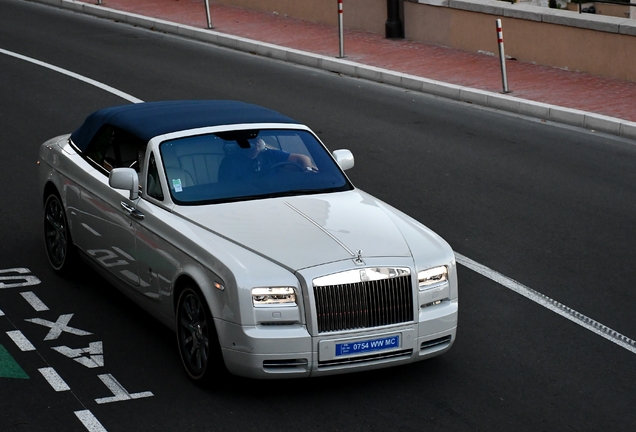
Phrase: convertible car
x=234 y=225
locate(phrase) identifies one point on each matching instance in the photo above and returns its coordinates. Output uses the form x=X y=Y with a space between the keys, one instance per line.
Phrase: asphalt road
x=549 y=206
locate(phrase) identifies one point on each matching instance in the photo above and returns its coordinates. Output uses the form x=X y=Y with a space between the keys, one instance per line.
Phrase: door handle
x=133 y=211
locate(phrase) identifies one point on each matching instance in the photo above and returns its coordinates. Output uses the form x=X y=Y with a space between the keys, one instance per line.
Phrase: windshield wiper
x=304 y=192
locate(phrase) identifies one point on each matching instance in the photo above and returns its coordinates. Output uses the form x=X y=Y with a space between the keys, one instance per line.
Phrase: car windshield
x=240 y=165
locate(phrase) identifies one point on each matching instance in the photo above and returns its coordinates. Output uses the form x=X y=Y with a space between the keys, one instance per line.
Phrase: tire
x=60 y=249
x=197 y=339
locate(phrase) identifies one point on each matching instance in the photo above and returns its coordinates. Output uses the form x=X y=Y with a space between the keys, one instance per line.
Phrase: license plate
x=370 y=345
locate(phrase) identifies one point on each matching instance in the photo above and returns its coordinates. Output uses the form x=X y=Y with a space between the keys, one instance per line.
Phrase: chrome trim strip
x=406 y=353
x=133 y=211
x=317 y=225
x=75 y=147
x=361 y=275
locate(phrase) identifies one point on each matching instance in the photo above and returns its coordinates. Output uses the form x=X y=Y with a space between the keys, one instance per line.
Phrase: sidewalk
x=545 y=85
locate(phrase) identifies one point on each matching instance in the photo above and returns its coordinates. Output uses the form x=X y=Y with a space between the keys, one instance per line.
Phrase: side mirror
x=125 y=178
x=344 y=158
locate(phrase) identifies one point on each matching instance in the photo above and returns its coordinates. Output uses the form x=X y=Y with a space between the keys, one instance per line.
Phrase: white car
x=233 y=225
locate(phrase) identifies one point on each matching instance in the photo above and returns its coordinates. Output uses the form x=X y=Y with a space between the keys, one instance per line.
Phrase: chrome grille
x=384 y=300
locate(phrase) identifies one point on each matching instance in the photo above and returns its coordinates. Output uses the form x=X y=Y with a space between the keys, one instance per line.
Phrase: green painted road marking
x=9 y=368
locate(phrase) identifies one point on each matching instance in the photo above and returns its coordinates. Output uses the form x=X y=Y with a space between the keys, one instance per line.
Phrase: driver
x=248 y=162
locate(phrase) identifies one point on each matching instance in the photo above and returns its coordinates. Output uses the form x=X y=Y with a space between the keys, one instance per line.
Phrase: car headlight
x=432 y=276
x=279 y=296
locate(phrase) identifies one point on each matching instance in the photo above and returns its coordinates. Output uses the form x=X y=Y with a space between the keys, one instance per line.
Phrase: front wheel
x=198 y=342
x=57 y=236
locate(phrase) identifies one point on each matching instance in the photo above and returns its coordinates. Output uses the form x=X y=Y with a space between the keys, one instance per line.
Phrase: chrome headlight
x=432 y=276
x=278 y=296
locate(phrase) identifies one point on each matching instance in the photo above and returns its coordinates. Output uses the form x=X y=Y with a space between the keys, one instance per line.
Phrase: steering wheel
x=280 y=165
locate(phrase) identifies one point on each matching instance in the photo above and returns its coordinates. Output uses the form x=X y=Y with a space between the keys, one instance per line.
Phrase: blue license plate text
x=371 y=345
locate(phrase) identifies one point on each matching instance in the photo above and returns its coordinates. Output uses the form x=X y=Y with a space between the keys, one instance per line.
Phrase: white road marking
x=87 y=80
x=54 y=379
x=89 y=421
x=20 y=340
x=1 y=313
x=550 y=304
x=61 y=325
x=119 y=392
x=34 y=301
x=95 y=353
x=25 y=280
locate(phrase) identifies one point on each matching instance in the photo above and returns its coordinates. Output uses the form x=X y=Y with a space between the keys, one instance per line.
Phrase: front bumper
x=289 y=351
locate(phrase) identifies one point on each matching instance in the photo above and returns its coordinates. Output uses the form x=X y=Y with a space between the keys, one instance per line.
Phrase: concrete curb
x=488 y=99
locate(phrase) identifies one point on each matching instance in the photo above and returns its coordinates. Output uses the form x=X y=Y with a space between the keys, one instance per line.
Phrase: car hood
x=305 y=231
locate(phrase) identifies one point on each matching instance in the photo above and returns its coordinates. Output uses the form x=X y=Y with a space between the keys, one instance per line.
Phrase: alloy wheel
x=193 y=333
x=55 y=232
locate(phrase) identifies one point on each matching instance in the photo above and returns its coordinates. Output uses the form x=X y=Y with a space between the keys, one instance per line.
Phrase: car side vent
x=285 y=364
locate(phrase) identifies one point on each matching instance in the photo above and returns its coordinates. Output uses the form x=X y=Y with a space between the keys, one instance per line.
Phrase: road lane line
x=20 y=340
x=87 y=80
x=550 y=304
x=34 y=301
x=89 y=421
x=54 y=379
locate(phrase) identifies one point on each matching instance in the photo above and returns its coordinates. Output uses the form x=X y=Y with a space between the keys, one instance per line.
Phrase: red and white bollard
x=340 y=29
x=502 y=57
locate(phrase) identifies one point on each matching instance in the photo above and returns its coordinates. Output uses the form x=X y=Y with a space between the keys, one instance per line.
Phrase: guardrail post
x=502 y=57
x=341 y=29
x=207 y=13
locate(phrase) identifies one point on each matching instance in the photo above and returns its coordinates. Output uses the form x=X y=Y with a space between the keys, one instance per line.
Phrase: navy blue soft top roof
x=149 y=119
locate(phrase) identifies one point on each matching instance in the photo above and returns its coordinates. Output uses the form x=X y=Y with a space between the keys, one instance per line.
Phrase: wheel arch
x=183 y=281
x=216 y=362
x=49 y=188
x=202 y=280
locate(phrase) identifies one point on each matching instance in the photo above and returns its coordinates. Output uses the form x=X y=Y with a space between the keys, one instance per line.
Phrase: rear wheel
x=57 y=236
x=196 y=335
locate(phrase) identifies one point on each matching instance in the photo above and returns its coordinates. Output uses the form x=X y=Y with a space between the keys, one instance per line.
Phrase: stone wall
x=369 y=15
x=601 y=45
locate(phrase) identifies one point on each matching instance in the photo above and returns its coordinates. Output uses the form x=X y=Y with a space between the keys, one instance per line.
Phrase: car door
x=158 y=260
x=107 y=230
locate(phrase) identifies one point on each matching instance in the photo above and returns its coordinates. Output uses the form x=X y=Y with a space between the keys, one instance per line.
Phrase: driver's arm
x=302 y=160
